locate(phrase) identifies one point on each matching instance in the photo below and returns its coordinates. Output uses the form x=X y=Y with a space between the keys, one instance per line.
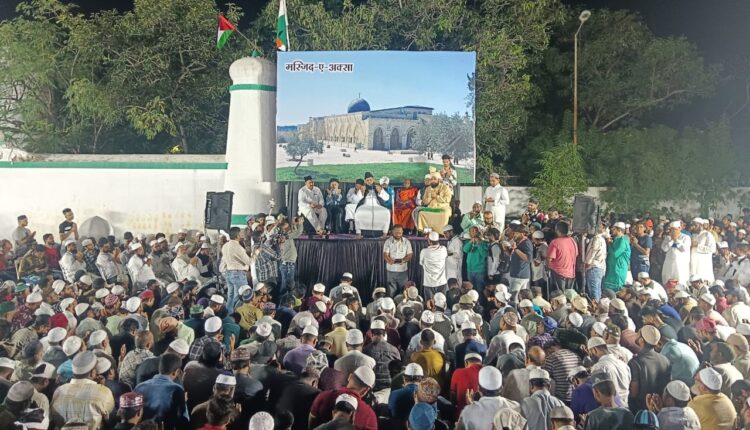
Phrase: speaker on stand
x=218 y=216
x=585 y=220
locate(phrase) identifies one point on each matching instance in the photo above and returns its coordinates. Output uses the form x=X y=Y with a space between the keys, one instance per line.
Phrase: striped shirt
x=559 y=364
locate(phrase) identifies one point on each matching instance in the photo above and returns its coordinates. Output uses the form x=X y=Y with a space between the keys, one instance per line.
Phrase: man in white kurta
x=311 y=204
x=496 y=199
x=702 y=251
x=676 y=246
x=352 y=199
x=455 y=254
x=139 y=266
x=370 y=215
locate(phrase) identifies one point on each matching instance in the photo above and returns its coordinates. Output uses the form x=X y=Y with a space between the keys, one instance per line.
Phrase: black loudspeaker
x=219 y=210
x=585 y=214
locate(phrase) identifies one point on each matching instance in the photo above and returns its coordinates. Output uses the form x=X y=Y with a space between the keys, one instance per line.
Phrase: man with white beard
x=702 y=251
x=676 y=246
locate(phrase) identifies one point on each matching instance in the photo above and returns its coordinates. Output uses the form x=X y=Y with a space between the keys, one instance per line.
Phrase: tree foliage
x=299 y=146
x=76 y=83
x=445 y=134
x=562 y=176
x=625 y=72
x=627 y=78
x=649 y=167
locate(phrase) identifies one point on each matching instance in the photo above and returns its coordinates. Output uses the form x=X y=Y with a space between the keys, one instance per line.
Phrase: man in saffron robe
x=406 y=201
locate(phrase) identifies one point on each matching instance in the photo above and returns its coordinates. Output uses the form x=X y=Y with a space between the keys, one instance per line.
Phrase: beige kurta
x=436 y=198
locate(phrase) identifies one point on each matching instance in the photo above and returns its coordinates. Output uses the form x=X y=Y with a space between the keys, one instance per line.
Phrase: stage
x=324 y=260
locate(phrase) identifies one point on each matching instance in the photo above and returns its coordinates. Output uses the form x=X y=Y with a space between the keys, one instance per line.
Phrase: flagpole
x=243 y=36
x=237 y=30
x=288 y=35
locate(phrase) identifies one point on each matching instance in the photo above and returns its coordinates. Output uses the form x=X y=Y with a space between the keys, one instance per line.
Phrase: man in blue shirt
x=684 y=361
x=469 y=331
x=163 y=398
x=401 y=401
x=520 y=260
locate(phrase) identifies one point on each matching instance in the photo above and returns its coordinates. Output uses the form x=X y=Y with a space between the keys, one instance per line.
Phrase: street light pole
x=582 y=18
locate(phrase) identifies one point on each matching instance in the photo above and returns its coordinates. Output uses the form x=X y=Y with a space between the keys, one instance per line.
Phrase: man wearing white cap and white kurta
x=311 y=204
x=676 y=246
x=702 y=249
x=433 y=260
x=455 y=249
x=139 y=266
x=478 y=414
x=496 y=199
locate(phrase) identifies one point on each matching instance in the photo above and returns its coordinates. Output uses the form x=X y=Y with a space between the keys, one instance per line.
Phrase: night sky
x=719 y=28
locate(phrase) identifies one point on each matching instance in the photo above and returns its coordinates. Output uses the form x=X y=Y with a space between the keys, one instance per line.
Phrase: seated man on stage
x=371 y=214
x=437 y=202
x=420 y=193
x=335 y=203
x=311 y=204
x=386 y=192
x=404 y=204
x=353 y=197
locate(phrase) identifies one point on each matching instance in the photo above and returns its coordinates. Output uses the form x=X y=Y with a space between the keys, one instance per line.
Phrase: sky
x=384 y=78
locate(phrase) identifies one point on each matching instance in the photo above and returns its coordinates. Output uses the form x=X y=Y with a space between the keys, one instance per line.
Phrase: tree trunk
x=183 y=140
x=301 y=157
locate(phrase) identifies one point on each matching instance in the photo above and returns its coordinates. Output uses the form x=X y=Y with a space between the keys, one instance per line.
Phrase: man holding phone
x=397 y=252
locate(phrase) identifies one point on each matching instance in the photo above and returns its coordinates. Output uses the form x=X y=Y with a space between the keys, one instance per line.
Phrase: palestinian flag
x=282 y=36
x=225 y=30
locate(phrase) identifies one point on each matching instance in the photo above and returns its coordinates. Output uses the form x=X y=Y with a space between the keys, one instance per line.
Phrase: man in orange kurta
x=406 y=201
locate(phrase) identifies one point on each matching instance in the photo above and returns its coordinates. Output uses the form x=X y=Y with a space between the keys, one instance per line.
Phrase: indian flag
x=282 y=36
x=225 y=30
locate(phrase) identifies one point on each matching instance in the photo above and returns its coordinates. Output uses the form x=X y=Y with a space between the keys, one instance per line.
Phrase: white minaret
x=251 y=138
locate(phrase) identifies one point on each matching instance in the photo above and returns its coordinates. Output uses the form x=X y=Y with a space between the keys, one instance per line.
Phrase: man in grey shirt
x=288 y=252
x=23 y=238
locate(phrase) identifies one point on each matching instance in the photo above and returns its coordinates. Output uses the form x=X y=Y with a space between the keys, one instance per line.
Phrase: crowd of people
x=642 y=324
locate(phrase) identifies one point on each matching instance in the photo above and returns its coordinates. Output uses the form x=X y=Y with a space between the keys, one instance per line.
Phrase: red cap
x=148 y=294
x=707 y=325
x=110 y=300
x=131 y=400
x=58 y=320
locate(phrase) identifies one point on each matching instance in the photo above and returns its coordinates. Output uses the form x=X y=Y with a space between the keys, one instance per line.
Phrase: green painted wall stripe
x=111 y=165
x=252 y=87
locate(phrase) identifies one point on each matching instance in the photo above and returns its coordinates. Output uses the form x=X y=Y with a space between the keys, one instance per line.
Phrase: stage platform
x=324 y=260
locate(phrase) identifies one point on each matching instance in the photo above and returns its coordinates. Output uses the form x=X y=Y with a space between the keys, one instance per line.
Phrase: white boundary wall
x=131 y=199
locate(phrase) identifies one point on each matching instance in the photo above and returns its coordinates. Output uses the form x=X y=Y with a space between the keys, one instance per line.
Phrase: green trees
x=648 y=166
x=444 y=134
x=299 y=146
x=71 y=83
x=627 y=77
x=148 y=79
x=562 y=176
